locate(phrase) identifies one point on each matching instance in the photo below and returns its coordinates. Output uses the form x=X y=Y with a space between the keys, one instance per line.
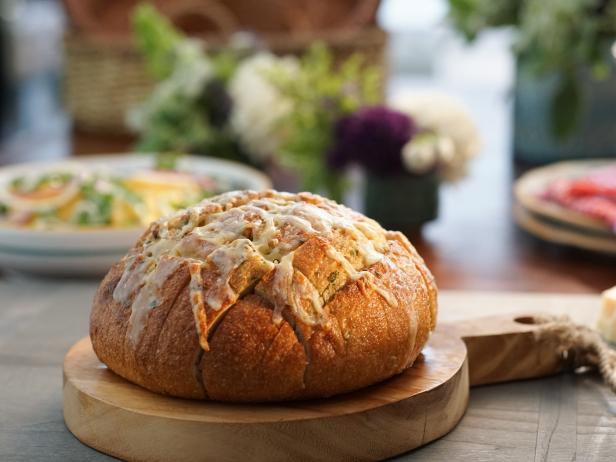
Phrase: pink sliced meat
x=593 y=195
x=600 y=183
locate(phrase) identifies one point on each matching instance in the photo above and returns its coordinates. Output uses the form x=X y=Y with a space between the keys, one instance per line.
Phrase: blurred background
x=462 y=95
x=55 y=53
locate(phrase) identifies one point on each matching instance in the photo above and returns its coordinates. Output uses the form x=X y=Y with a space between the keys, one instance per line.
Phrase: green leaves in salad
x=23 y=184
x=166 y=160
x=18 y=184
x=101 y=199
x=98 y=199
x=96 y=207
x=189 y=201
x=125 y=193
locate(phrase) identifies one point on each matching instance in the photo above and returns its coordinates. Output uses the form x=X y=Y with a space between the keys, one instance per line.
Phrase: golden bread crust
x=264 y=296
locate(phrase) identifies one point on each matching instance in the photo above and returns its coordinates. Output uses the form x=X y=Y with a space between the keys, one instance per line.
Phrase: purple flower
x=372 y=137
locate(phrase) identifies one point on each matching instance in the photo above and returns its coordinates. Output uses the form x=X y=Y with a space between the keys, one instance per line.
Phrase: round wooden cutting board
x=124 y=420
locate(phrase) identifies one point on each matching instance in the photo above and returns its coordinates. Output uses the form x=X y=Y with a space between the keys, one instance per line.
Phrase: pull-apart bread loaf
x=264 y=296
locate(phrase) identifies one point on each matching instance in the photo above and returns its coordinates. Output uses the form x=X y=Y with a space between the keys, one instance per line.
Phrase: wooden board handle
x=503 y=348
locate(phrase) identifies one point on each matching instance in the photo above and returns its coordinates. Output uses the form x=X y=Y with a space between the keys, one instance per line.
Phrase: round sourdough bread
x=264 y=296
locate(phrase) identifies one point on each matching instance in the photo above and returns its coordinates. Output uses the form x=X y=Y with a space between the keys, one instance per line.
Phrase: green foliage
x=225 y=63
x=176 y=116
x=166 y=160
x=565 y=37
x=181 y=126
x=189 y=109
x=156 y=38
x=320 y=93
x=473 y=16
x=176 y=124
x=559 y=35
x=566 y=106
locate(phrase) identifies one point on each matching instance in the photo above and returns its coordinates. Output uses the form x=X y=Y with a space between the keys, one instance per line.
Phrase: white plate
x=90 y=252
x=530 y=186
x=553 y=231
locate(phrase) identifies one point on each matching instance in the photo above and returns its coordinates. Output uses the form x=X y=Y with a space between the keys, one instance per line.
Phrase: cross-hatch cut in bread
x=262 y=296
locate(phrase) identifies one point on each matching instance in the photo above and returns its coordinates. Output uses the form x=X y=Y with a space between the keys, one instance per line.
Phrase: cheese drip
x=131 y=279
x=367 y=276
x=226 y=259
x=150 y=296
x=196 y=301
x=270 y=228
x=291 y=290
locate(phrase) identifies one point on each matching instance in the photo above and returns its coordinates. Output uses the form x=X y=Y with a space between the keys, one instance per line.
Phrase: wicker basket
x=106 y=76
x=103 y=81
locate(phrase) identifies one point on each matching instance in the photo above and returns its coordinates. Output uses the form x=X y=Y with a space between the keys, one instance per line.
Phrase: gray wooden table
x=561 y=418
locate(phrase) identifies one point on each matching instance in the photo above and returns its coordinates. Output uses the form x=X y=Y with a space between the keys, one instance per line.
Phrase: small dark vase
x=401 y=202
x=593 y=136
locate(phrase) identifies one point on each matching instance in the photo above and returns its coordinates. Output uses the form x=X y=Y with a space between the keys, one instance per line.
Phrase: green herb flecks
x=96 y=206
x=167 y=160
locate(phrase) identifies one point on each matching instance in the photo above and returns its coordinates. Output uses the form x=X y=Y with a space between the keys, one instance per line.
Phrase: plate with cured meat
x=571 y=202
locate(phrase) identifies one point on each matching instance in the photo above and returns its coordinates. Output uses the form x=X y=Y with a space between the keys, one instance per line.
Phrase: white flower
x=420 y=154
x=258 y=106
x=445 y=150
x=457 y=139
x=193 y=69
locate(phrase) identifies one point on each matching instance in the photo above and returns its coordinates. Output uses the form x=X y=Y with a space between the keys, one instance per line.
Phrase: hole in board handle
x=528 y=320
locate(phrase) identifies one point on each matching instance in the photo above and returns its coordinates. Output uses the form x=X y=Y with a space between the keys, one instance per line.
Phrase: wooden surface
x=507 y=347
x=408 y=411
x=564 y=417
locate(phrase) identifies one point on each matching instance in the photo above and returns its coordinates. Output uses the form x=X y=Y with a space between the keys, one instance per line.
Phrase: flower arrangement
x=321 y=94
x=406 y=149
x=244 y=103
x=309 y=113
x=417 y=134
x=552 y=36
x=446 y=138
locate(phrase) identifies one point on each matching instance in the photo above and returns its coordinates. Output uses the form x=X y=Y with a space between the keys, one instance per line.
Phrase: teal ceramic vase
x=402 y=202
x=594 y=134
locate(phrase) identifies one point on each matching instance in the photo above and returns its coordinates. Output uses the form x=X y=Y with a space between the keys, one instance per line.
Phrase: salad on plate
x=80 y=216
x=82 y=197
